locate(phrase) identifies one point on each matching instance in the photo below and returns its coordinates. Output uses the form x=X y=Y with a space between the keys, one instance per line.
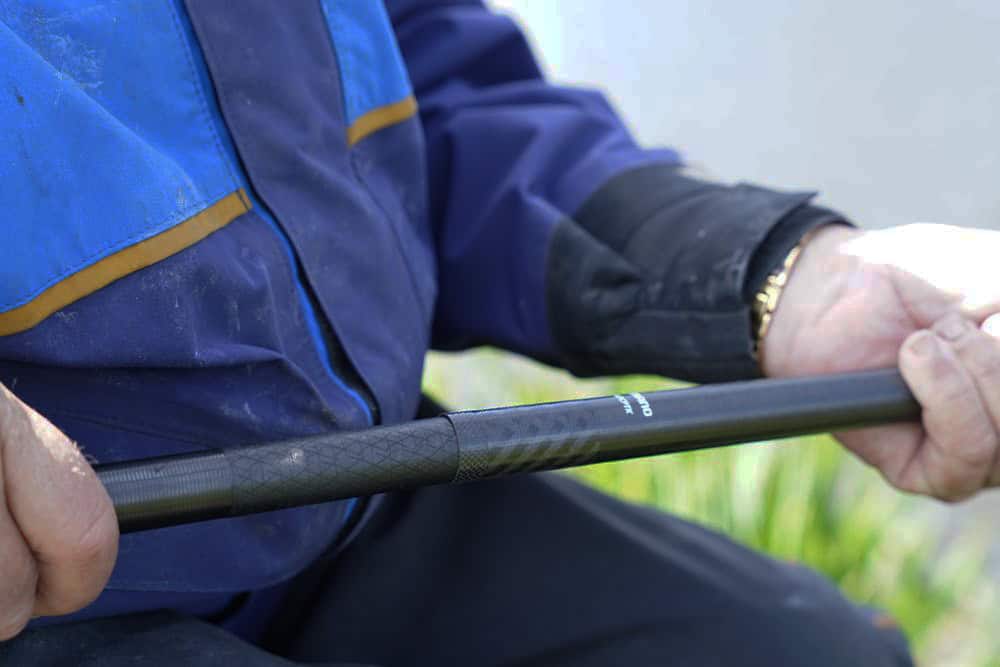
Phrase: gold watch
x=765 y=301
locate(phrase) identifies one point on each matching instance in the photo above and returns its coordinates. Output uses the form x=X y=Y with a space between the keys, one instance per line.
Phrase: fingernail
x=952 y=327
x=924 y=344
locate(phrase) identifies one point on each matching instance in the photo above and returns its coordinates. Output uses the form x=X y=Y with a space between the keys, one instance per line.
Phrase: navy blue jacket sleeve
x=557 y=235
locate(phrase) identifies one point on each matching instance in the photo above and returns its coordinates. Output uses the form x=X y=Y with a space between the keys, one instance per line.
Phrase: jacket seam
x=118 y=244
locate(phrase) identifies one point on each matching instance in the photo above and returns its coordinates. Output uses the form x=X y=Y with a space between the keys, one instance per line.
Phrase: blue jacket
x=229 y=222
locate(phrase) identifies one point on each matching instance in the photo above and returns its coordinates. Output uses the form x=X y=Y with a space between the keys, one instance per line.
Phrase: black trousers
x=532 y=570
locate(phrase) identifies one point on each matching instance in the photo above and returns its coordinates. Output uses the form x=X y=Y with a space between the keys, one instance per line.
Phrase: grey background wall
x=890 y=107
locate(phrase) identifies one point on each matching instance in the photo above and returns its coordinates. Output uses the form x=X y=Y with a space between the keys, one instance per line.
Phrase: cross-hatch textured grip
x=346 y=465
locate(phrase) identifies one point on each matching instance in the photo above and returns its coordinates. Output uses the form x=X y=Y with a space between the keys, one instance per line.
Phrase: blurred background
x=889 y=108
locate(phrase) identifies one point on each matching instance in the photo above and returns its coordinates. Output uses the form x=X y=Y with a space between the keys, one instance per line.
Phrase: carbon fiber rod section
x=558 y=435
x=171 y=490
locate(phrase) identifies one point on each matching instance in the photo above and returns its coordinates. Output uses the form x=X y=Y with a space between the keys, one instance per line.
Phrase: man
x=228 y=222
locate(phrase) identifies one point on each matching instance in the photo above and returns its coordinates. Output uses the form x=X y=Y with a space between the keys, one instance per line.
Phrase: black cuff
x=780 y=241
x=655 y=272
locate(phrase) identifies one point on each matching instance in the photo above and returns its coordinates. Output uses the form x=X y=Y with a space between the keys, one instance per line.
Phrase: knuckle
x=954 y=328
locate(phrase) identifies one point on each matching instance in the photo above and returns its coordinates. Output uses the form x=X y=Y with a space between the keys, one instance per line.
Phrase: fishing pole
x=471 y=445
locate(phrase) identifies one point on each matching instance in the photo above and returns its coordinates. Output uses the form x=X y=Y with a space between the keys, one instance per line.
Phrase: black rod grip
x=180 y=489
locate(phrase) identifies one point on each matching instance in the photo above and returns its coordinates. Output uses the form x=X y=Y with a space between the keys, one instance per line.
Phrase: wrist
x=813 y=283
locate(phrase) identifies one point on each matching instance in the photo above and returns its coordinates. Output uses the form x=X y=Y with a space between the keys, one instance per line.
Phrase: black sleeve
x=656 y=271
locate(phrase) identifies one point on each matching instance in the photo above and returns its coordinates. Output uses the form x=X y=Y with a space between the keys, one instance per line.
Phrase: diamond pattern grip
x=344 y=465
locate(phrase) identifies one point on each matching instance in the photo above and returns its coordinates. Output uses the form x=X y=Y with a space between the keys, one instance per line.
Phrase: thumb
x=60 y=507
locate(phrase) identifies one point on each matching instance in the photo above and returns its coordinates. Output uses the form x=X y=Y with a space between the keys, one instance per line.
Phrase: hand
x=925 y=297
x=58 y=533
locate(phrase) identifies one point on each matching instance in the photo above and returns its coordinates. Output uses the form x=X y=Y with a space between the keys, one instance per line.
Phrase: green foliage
x=803 y=500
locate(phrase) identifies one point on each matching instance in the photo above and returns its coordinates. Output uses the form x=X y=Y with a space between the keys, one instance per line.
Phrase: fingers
x=60 y=508
x=954 y=372
x=978 y=349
